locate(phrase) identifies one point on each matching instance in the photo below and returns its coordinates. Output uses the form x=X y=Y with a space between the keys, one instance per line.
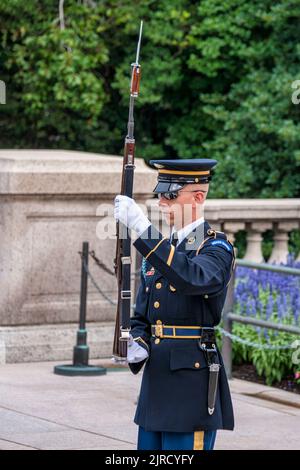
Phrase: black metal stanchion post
x=80 y=364
x=81 y=350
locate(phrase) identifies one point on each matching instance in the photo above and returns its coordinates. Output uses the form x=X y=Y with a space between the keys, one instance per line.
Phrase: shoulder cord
x=144 y=267
x=213 y=235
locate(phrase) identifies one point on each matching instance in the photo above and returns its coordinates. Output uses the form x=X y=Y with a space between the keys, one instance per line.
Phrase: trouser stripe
x=198 y=440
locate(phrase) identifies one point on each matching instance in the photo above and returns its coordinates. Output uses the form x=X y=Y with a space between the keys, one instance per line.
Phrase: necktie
x=174 y=239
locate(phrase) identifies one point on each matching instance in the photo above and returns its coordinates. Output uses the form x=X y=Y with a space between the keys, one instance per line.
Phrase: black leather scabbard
x=213 y=386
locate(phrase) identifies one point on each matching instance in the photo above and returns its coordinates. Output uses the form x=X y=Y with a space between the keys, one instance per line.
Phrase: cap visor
x=164 y=187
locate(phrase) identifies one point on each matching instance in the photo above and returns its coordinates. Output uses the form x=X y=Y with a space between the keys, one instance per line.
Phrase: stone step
x=52 y=342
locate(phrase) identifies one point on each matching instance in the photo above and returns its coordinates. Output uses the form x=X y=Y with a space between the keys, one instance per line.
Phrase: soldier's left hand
x=130 y=214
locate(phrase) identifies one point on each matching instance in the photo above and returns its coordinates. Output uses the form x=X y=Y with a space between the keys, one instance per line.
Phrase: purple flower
x=270 y=307
x=268 y=294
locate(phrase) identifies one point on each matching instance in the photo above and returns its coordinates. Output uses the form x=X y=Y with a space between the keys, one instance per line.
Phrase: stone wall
x=52 y=201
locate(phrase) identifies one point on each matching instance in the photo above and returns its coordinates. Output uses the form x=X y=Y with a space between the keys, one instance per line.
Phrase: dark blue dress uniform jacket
x=186 y=287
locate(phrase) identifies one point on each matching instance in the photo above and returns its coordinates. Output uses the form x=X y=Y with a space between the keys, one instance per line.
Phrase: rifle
x=123 y=246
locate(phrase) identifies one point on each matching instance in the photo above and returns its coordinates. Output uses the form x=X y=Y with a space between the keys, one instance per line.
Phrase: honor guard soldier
x=184 y=397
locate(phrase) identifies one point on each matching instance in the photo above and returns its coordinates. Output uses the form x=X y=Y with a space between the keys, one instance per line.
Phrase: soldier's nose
x=163 y=204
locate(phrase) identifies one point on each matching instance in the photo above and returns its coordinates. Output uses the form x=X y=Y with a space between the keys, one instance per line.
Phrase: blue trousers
x=198 y=440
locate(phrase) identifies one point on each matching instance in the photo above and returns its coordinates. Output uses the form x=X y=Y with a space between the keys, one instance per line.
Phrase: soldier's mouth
x=167 y=213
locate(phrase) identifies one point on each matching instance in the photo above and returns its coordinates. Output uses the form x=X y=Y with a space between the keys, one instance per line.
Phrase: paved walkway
x=40 y=410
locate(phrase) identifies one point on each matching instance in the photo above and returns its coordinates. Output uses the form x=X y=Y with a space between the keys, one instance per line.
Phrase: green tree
x=216 y=82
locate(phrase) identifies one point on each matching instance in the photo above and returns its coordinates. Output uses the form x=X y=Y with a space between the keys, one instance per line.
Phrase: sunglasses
x=170 y=195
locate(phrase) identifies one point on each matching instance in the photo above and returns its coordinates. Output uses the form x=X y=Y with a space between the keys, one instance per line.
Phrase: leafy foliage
x=217 y=77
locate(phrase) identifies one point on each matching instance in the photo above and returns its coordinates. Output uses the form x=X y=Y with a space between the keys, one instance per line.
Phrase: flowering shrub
x=274 y=297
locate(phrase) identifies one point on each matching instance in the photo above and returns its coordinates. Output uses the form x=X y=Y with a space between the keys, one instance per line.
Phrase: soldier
x=184 y=395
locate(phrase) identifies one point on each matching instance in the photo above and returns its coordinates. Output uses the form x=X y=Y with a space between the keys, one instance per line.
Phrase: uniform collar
x=194 y=237
x=187 y=230
x=192 y=240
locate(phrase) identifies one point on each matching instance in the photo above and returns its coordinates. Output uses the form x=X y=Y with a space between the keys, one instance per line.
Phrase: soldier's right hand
x=135 y=352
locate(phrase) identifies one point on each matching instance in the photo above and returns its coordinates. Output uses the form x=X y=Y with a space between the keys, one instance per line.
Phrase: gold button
x=157 y=341
x=172 y=289
x=156 y=304
x=191 y=240
x=206 y=296
x=197 y=365
x=158 y=322
x=158 y=285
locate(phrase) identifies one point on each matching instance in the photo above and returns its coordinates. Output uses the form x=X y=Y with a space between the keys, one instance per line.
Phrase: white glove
x=130 y=214
x=135 y=352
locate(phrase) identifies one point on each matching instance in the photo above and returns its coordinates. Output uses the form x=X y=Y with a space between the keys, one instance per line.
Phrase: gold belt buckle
x=159 y=330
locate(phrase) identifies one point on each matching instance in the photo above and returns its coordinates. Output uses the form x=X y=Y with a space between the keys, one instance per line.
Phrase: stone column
x=254 y=241
x=215 y=226
x=231 y=228
x=281 y=238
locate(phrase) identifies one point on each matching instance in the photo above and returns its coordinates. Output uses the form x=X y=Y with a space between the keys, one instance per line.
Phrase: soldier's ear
x=199 y=197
